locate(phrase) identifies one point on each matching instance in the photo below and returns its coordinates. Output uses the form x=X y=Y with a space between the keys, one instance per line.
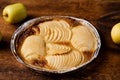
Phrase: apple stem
x=6 y=15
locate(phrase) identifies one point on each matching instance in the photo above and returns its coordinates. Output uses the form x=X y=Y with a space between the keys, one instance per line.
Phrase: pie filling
x=57 y=44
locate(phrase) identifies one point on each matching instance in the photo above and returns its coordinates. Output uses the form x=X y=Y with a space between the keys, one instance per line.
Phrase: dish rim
x=26 y=24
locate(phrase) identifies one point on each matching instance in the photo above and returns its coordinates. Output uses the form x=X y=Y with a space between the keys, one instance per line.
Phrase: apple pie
x=57 y=44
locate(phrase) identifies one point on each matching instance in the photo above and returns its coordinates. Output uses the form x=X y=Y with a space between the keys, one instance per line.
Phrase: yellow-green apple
x=14 y=13
x=115 y=33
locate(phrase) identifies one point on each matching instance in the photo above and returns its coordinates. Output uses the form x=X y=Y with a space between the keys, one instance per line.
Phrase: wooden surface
x=103 y=14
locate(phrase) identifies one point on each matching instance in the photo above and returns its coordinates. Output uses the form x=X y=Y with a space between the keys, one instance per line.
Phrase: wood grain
x=103 y=14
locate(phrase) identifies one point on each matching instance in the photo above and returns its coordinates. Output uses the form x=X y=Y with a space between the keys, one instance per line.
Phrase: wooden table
x=103 y=14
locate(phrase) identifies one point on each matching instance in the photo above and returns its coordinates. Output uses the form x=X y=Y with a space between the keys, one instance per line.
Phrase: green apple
x=115 y=33
x=0 y=36
x=14 y=13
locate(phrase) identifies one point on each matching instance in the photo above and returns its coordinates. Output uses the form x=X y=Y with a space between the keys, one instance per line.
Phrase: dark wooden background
x=103 y=14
